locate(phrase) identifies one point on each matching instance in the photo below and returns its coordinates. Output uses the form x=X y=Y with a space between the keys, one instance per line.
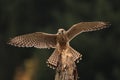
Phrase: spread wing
x=37 y=40
x=85 y=27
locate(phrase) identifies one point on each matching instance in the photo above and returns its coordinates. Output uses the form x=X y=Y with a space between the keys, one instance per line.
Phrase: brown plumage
x=60 y=41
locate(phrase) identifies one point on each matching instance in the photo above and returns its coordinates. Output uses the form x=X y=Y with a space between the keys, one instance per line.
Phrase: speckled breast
x=62 y=42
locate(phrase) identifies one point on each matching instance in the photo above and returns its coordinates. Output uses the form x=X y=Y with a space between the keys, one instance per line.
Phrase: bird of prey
x=59 y=41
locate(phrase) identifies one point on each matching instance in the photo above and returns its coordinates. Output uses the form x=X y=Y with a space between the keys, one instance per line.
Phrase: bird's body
x=62 y=50
x=59 y=41
x=62 y=40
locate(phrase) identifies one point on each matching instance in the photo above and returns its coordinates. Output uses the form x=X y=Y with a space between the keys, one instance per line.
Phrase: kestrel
x=59 y=41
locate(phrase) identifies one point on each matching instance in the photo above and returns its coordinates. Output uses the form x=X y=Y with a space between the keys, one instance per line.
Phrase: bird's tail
x=76 y=56
x=53 y=59
x=56 y=56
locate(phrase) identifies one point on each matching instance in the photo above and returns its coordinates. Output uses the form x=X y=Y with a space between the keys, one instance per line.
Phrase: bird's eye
x=63 y=31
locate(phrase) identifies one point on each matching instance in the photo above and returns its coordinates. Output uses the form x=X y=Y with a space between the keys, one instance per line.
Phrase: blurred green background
x=100 y=49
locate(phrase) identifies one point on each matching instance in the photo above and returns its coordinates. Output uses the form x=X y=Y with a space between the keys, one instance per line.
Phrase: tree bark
x=66 y=69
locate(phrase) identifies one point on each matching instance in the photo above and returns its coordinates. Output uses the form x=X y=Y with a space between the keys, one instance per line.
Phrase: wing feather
x=37 y=40
x=85 y=27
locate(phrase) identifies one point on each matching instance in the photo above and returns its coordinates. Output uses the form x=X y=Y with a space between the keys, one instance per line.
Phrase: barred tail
x=53 y=59
x=56 y=57
x=76 y=55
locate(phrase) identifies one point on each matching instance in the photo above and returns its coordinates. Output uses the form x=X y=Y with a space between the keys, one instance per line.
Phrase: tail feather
x=53 y=59
x=76 y=55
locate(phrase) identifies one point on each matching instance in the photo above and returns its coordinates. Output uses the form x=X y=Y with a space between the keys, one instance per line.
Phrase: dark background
x=100 y=49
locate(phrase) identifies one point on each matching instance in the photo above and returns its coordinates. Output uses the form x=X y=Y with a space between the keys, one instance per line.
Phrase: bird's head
x=61 y=31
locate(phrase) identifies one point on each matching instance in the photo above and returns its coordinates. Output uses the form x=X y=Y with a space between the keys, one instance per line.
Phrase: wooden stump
x=66 y=69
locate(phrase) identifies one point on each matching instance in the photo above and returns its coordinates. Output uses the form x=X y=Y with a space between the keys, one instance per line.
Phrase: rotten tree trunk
x=66 y=69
